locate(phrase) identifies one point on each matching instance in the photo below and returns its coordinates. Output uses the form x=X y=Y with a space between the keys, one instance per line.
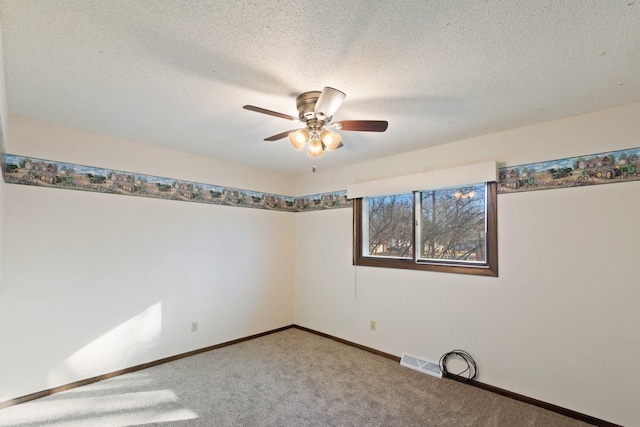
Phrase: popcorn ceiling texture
x=176 y=74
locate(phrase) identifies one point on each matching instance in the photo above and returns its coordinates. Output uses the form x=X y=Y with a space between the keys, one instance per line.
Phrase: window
x=447 y=230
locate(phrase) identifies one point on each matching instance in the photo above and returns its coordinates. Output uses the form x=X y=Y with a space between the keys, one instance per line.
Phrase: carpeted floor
x=289 y=378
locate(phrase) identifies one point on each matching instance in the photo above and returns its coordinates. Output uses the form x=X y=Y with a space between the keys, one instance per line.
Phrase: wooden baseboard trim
x=87 y=381
x=350 y=343
x=554 y=408
x=535 y=402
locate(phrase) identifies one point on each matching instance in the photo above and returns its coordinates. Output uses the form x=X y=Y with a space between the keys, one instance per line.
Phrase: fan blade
x=269 y=112
x=328 y=102
x=280 y=135
x=363 y=125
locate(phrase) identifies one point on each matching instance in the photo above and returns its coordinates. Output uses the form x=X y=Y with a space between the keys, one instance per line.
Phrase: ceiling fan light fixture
x=315 y=148
x=315 y=112
x=330 y=140
x=298 y=138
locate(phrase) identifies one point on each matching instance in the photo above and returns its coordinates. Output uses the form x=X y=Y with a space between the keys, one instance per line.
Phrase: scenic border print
x=602 y=168
x=594 y=169
x=47 y=173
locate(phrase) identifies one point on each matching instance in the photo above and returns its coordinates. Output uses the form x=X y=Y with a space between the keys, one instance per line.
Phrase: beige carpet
x=290 y=378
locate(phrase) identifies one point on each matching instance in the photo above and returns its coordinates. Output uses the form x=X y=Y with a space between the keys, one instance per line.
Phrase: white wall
x=2 y=208
x=3 y=127
x=4 y=110
x=560 y=322
x=94 y=283
x=34 y=138
x=98 y=282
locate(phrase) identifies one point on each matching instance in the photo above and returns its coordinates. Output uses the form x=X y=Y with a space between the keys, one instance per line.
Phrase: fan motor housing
x=306 y=104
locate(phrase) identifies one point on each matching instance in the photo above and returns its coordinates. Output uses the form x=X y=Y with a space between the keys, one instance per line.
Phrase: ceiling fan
x=315 y=111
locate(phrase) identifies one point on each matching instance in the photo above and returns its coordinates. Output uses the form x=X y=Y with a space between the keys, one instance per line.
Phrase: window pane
x=390 y=226
x=453 y=225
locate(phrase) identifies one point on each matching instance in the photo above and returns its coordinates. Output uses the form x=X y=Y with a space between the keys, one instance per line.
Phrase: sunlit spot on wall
x=121 y=409
x=114 y=350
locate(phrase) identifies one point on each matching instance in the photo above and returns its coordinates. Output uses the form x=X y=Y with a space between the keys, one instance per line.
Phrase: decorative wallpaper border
x=48 y=173
x=594 y=169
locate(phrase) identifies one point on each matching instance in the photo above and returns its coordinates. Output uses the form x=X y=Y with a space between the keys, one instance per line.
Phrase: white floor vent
x=421 y=365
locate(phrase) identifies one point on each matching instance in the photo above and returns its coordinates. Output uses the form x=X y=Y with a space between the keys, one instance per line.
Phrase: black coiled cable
x=472 y=370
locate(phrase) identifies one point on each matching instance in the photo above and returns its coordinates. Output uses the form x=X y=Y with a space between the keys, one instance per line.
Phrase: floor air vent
x=421 y=365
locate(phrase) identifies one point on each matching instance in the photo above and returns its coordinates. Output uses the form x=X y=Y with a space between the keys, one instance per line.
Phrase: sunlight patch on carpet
x=114 y=410
x=131 y=380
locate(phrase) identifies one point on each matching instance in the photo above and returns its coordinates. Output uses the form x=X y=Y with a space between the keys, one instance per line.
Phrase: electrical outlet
x=194 y=326
x=372 y=325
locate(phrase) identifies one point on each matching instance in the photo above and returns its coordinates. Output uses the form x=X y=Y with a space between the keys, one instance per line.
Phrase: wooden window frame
x=490 y=268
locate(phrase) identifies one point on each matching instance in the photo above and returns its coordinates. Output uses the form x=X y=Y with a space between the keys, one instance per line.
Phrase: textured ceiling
x=177 y=73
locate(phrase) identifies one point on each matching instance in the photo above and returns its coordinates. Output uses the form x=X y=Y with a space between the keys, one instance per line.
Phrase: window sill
x=409 y=264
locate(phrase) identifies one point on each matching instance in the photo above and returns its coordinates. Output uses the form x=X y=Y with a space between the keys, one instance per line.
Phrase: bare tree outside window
x=391 y=226
x=453 y=225
x=452 y=230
